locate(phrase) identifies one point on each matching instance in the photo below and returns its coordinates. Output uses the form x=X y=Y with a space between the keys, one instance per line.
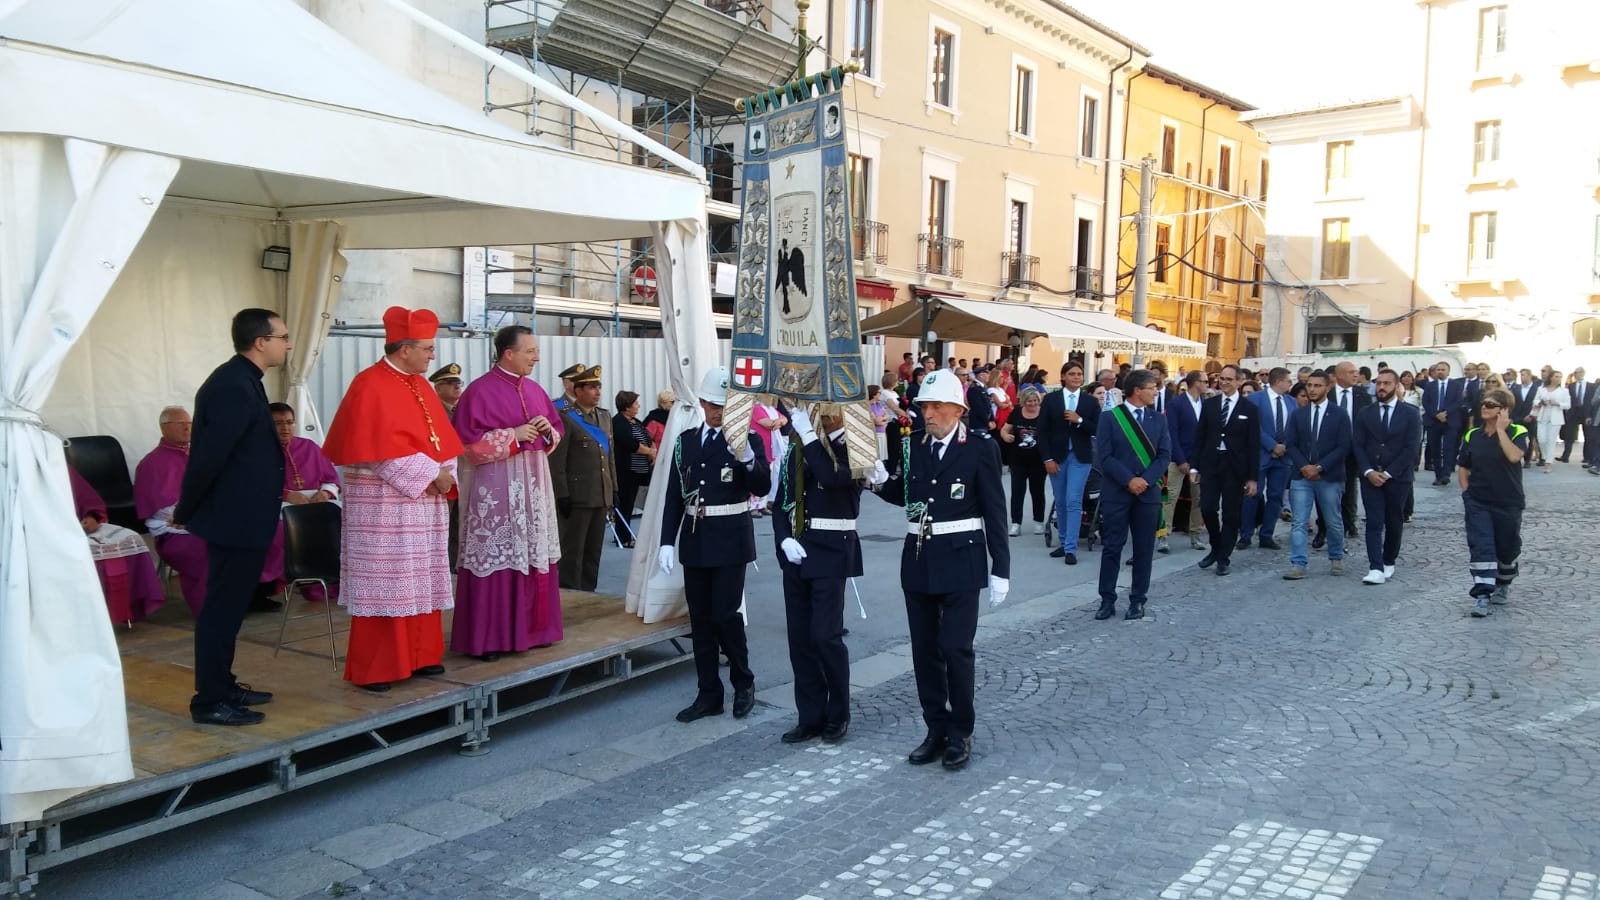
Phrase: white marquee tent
x=146 y=159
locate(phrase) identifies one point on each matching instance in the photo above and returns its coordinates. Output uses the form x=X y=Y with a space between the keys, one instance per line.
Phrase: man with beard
x=1387 y=439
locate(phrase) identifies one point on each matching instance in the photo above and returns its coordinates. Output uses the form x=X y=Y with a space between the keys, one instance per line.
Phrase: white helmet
x=942 y=386
x=714 y=386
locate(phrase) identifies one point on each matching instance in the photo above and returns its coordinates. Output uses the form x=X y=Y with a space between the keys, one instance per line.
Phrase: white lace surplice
x=508 y=508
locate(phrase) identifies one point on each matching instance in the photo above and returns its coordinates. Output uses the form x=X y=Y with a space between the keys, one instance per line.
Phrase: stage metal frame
x=121 y=814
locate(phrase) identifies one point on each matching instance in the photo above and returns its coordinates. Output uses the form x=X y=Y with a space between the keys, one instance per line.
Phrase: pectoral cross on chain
x=434 y=437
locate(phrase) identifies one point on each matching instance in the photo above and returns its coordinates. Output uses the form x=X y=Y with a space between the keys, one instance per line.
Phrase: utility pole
x=1141 y=256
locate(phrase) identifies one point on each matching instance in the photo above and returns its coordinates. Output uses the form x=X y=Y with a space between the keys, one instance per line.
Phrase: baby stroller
x=1089 y=531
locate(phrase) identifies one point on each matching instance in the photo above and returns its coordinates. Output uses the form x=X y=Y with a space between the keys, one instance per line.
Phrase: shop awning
x=867 y=289
x=991 y=322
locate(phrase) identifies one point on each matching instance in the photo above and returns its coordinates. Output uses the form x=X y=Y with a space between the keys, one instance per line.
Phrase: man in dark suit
x=706 y=516
x=1226 y=464
x=1273 y=406
x=1352 y=401
x=814 y=527
x=1318 y=443
x=1523 y=391
x=1387 y=438
x=1068 y=420
x=955 y=510
x=1183 y=421
x=1132 y=451
x=1582 y=394
x=230 y=498
x=1442 y=397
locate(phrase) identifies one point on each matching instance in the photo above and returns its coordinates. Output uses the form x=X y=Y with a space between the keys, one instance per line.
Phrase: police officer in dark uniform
x=707 y=516
x=955 y=509
x=815 y=530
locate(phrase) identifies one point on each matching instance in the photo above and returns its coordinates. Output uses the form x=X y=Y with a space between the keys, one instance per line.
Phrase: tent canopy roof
x=993 y=322
x=307 y=126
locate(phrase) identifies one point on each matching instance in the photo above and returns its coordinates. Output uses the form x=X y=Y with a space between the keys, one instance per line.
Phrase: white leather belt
x=956 y=527
x=831 y=524
x=726 y=509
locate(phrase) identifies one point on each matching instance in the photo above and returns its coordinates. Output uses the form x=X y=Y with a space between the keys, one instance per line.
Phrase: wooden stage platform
x=318 y=726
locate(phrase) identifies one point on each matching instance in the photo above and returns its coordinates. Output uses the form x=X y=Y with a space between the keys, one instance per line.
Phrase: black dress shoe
x=1440 y=481
x=243 y=696
x=834 y=732
x=957 y=752
x=1135 y=611
x=377 y=687
x=488 y=657
x=265 y=604
x=698 y=710
x=429 y=670
x=1107 y=610
x=1351 y=533
x=1319 y=541
x=929 y=750
x=744 y=700
x=1267 y=543
x=1244 y=544
x=225 y=714
x=1071 y=558
x=1208 y=559
x=1222 y=568
x=1057 y=553
x=801 y=733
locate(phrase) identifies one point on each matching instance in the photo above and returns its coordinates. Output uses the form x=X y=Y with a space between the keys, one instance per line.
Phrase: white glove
x=667 y=558
x=803 y=429
x=879 y=475
x=749 y=453
x=998 y=588
x=792 y=549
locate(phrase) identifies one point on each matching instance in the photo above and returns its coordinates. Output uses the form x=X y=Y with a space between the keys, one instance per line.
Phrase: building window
x=1016 y=240
x=1264 y=170
x=1022 y=100
x=1491 y=36
x=1340 y=176
x=1335 y=249
x=1485 y=146
x=1090 y=131
x=1163 y=248
x=860 y=185
x=938 y=206
x=1258 y=273
x=1225 y=167
x=1252 y=347
x=1213 y=344
x=943 y=74
x=863 y=36
x=1169 y=149
x=1480 y=246
x=1219 y=261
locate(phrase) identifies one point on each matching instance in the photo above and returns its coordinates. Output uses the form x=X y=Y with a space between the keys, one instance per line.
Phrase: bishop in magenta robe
x=127 y=572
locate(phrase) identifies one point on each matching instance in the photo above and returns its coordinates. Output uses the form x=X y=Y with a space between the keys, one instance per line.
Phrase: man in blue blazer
x=1273 y=408
x=1442 y=397
x=230 y=498
x=1132 y=450
x=1387 y=437
x=1318 y=442
x=1183 y=421
x=1069 y=420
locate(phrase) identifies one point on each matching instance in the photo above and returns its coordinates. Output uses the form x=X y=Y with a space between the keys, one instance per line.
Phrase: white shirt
x=1195 y=402
x=943 y=443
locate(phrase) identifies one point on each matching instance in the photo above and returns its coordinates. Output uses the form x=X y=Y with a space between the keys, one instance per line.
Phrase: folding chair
x=100 y=460
x=311 y=535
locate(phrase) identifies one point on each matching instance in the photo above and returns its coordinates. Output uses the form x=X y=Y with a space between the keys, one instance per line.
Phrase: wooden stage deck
x=318 y=726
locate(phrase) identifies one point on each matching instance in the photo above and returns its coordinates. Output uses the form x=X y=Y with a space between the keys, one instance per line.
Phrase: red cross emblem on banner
x=747 y=372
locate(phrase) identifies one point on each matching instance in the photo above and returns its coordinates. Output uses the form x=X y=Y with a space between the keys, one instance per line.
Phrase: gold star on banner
x=789 y=172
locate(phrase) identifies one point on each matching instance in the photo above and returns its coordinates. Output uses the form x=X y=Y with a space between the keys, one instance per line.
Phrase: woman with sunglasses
x=1489 y=468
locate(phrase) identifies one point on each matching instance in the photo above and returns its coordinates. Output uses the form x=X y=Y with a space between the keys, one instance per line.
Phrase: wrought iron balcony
x=1018 y=269
x=1085 y=282
x=870 y=240
x=938 y=255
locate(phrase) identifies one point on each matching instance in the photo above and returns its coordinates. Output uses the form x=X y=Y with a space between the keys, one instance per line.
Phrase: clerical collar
x=510 y=374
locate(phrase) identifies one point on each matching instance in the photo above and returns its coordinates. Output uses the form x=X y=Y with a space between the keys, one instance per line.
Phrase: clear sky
x=1275 y=54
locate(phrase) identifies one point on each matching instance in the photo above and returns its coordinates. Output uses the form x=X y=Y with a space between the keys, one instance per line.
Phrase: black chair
x=311 y=535
x=99 y=459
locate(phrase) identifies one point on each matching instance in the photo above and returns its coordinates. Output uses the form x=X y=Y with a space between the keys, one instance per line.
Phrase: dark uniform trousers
x=713 y=550
x=943 y=574
x=813 y=591
x=583 y=534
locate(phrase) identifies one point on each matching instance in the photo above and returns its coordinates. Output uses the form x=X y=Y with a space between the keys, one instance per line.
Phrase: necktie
x=1138 y=416
x=1227 y=404
x=1279 y=399
x=1316 y=422
x=1072 y=401
x=1344 y=400
x=1386 y=418
x=938 y=451
x=711 y=435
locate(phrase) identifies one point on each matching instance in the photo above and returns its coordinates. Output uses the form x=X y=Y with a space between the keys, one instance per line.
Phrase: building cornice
x=1387 y=114
x=1057 y=31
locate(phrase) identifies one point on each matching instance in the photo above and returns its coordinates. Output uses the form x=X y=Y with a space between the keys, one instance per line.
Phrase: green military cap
x=571 y=370
x=586 y=376
x=447 y=372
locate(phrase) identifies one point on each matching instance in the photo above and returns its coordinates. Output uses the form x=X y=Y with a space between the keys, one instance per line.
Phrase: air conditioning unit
x=1325 y=342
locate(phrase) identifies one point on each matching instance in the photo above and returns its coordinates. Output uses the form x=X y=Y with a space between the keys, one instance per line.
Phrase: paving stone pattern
x=1251 y=738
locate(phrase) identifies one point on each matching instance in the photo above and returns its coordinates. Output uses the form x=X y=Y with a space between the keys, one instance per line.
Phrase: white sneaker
x=1388 y=572
x=1161 y=545
x=1196 y=544
x=1038 y=528
x=1375 y=576
x=1015 y=530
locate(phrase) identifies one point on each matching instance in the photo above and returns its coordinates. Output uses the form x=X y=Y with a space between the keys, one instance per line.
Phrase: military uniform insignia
x=727 y=474
x=958 y=491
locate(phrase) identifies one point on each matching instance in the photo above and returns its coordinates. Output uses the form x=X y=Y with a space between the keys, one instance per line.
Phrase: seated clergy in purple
x=308 y=477
x=127 y=572
x=156 y=483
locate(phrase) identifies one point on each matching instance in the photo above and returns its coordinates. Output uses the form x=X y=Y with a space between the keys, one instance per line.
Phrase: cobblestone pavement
x=1251 y=738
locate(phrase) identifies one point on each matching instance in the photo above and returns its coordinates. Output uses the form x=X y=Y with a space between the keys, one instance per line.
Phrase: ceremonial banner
x=795 y=329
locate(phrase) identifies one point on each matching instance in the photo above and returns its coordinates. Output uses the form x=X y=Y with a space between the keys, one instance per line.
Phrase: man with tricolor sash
x=1132 y=449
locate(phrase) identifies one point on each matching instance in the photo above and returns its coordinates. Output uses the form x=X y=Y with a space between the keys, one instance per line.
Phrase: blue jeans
x=1274 y=475
x=1304 y=498
x=1067 y=485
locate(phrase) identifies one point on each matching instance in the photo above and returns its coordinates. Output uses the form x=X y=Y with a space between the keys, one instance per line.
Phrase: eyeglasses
x=1488 y=405
x=276 y=337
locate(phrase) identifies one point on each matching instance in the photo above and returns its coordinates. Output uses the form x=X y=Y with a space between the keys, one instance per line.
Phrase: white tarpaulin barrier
x=993 y=322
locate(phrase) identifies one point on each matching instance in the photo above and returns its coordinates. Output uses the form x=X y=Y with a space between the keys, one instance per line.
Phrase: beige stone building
x=1212 y=173
x=1461 y=210
x=979 y=134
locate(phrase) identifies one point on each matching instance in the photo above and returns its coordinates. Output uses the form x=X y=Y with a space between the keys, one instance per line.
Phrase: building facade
x=1463 y=210
x=1208 y=235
